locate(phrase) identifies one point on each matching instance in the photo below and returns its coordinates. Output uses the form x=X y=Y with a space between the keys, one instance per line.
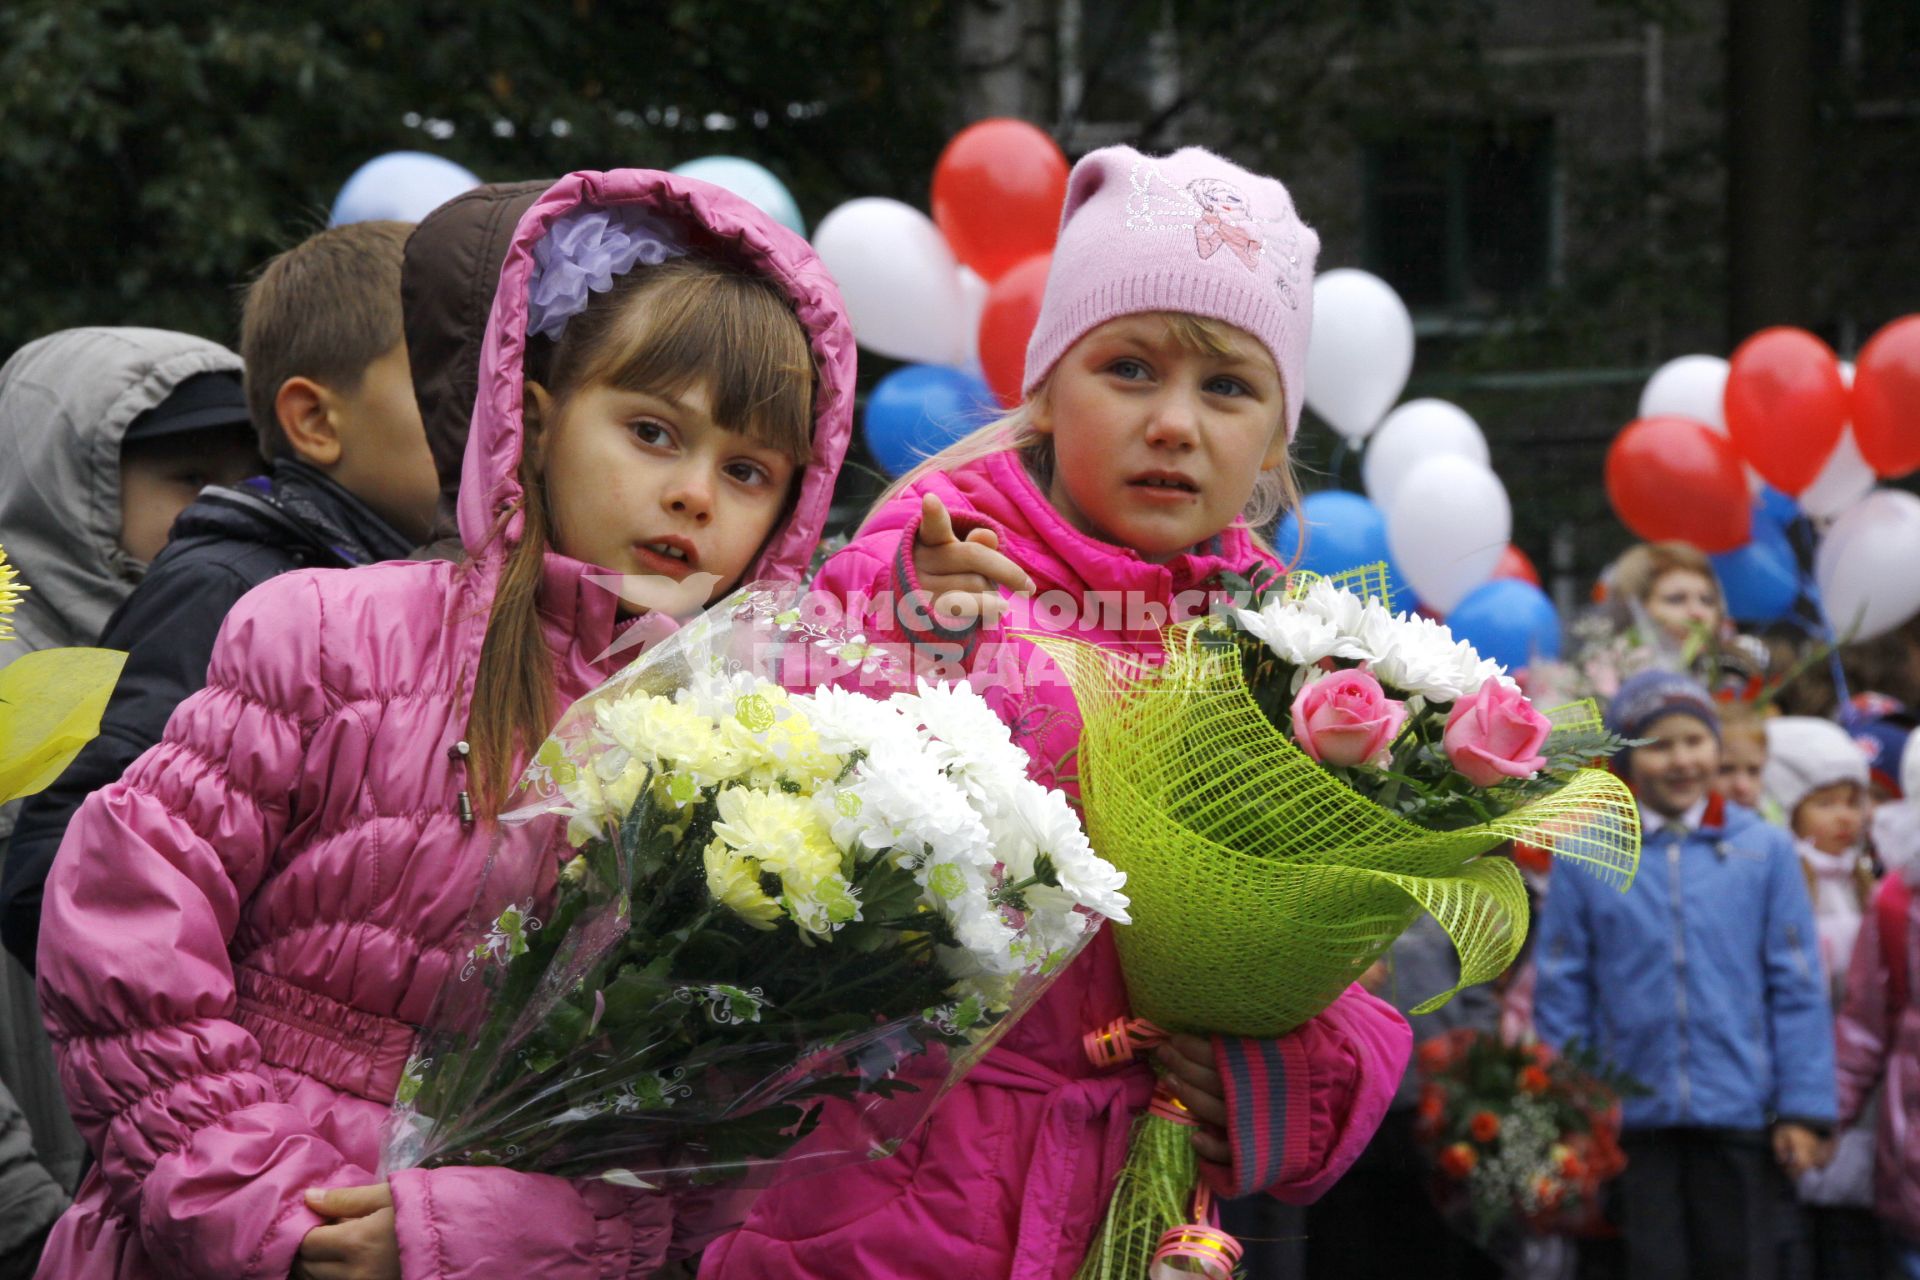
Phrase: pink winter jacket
x=1879 y=1039
x=240 y=933
x=1012 y=1173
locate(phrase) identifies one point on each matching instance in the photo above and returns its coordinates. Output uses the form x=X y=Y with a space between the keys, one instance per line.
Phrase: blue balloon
x=1777 y=507
x=1511 y=621
x=405 y=186
x=917 y=411
x=752 y=183
x=1760 y=581
x=1344 y=531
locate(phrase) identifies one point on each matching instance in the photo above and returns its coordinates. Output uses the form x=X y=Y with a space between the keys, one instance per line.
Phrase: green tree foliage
x=155 y=152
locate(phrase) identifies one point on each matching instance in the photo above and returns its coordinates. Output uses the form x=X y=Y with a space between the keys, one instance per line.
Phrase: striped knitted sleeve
x=1301 y=1107
x=913 y=606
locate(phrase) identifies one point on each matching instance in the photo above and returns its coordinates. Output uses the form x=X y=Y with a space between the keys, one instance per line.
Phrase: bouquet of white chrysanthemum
x=765 y=899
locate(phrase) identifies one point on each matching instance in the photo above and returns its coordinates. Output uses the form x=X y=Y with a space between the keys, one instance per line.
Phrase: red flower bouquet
x=1520 y=1136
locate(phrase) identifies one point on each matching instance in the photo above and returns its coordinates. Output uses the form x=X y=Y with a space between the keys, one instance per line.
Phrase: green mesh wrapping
x=1261 y=884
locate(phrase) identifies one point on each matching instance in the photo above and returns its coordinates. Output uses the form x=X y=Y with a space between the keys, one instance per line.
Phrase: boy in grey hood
x=105 y=435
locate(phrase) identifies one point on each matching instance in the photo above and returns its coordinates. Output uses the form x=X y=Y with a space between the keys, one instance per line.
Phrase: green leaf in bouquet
x=732 y=1144
x=566 y=1026
x=888 y=893
x=633 y=998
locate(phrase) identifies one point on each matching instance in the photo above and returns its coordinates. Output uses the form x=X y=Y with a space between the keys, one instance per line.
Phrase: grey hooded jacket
x=66 y=401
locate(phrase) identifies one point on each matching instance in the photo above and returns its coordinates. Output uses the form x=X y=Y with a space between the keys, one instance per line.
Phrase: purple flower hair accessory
x=582 y=253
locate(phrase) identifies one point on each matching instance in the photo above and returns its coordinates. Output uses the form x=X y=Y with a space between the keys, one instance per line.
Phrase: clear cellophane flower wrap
x=51 y=701
x=731 y=894
x=1263 y=883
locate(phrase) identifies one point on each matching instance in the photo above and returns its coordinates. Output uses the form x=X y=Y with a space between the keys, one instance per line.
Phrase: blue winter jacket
x=1702 y=981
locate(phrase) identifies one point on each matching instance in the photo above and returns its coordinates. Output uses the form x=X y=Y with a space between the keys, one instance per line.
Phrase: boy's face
x=383 y=459
x=1743 y=757
x=1832 y=818
x=159 y=477
x=1677 y=766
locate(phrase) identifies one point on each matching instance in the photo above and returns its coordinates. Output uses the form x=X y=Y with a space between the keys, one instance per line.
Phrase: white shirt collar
x=1651 y=823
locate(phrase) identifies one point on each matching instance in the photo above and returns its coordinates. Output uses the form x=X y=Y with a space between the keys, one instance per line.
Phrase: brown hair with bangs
x=688 y=322
x=1275 y=491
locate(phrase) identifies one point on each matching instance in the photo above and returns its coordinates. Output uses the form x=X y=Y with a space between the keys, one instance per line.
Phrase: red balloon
x=1886 y=398
x=1677 y=479
x=1514 y=564
x=1786 y=405
x=1006 y=326
x=997 y=193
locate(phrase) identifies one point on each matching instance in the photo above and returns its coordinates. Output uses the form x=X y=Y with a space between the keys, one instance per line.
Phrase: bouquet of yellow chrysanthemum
x=765 y=897
x=50 y=702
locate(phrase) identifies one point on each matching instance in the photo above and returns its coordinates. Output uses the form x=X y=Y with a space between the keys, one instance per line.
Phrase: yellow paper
x=50 y=707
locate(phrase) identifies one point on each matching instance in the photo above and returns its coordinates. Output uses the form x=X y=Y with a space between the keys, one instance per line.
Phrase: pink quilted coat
x=1010 y=1176
x=1878 y=1034
x=239 y=932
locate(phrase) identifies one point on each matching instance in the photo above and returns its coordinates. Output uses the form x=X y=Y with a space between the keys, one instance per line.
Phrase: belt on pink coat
x=1073 y=1105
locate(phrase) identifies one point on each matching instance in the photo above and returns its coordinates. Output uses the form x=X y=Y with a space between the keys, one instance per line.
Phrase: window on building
x=1460 y=214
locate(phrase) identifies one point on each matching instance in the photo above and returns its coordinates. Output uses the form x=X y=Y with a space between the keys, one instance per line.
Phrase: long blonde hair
x=689 y=321
x=1274 y=492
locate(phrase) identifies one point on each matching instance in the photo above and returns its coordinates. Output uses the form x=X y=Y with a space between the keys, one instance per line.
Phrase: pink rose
x=1346 y=718
x=1496 y=734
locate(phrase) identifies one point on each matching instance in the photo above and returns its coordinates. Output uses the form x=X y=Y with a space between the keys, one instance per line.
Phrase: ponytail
x=513 y=691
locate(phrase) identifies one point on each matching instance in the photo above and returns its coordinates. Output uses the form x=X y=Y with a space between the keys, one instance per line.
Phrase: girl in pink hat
x=1163 y=386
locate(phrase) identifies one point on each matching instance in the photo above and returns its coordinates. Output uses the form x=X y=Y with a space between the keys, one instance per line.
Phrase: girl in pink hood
x=242 y=932
x=1163 y=386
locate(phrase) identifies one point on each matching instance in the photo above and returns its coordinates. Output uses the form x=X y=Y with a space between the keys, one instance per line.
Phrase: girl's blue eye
x=1225 y=386
x=1130 y=369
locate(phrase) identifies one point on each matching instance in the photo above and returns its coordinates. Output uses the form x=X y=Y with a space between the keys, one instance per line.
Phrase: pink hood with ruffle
x=241 y=933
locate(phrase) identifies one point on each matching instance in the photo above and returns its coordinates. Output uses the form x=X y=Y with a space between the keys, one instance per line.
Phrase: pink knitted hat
x=1186 y=232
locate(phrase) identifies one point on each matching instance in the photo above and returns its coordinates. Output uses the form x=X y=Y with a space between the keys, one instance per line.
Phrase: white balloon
x=1412 y=433
x=404 y=186
x=1361 y=350
x=899 y=279
x=1689 y=387
x=973 y=297
x=1842 y=482
x=1864 y=566
x=1448 y=527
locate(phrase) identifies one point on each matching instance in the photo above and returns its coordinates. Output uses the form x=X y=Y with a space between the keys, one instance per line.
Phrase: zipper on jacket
x=1679 y=968
x=458 y=753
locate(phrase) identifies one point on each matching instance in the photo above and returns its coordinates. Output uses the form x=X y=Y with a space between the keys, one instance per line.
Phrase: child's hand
x=959 y=575
x=1188 y=1062
x=1799 y=1149
x=359 y=1245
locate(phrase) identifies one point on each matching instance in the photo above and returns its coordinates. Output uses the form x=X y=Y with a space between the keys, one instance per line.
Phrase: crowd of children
x=358 y=568
x=244 y=894
x=1745 y=982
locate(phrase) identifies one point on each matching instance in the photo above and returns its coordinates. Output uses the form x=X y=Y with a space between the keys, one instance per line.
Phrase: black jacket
x=228 y=542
